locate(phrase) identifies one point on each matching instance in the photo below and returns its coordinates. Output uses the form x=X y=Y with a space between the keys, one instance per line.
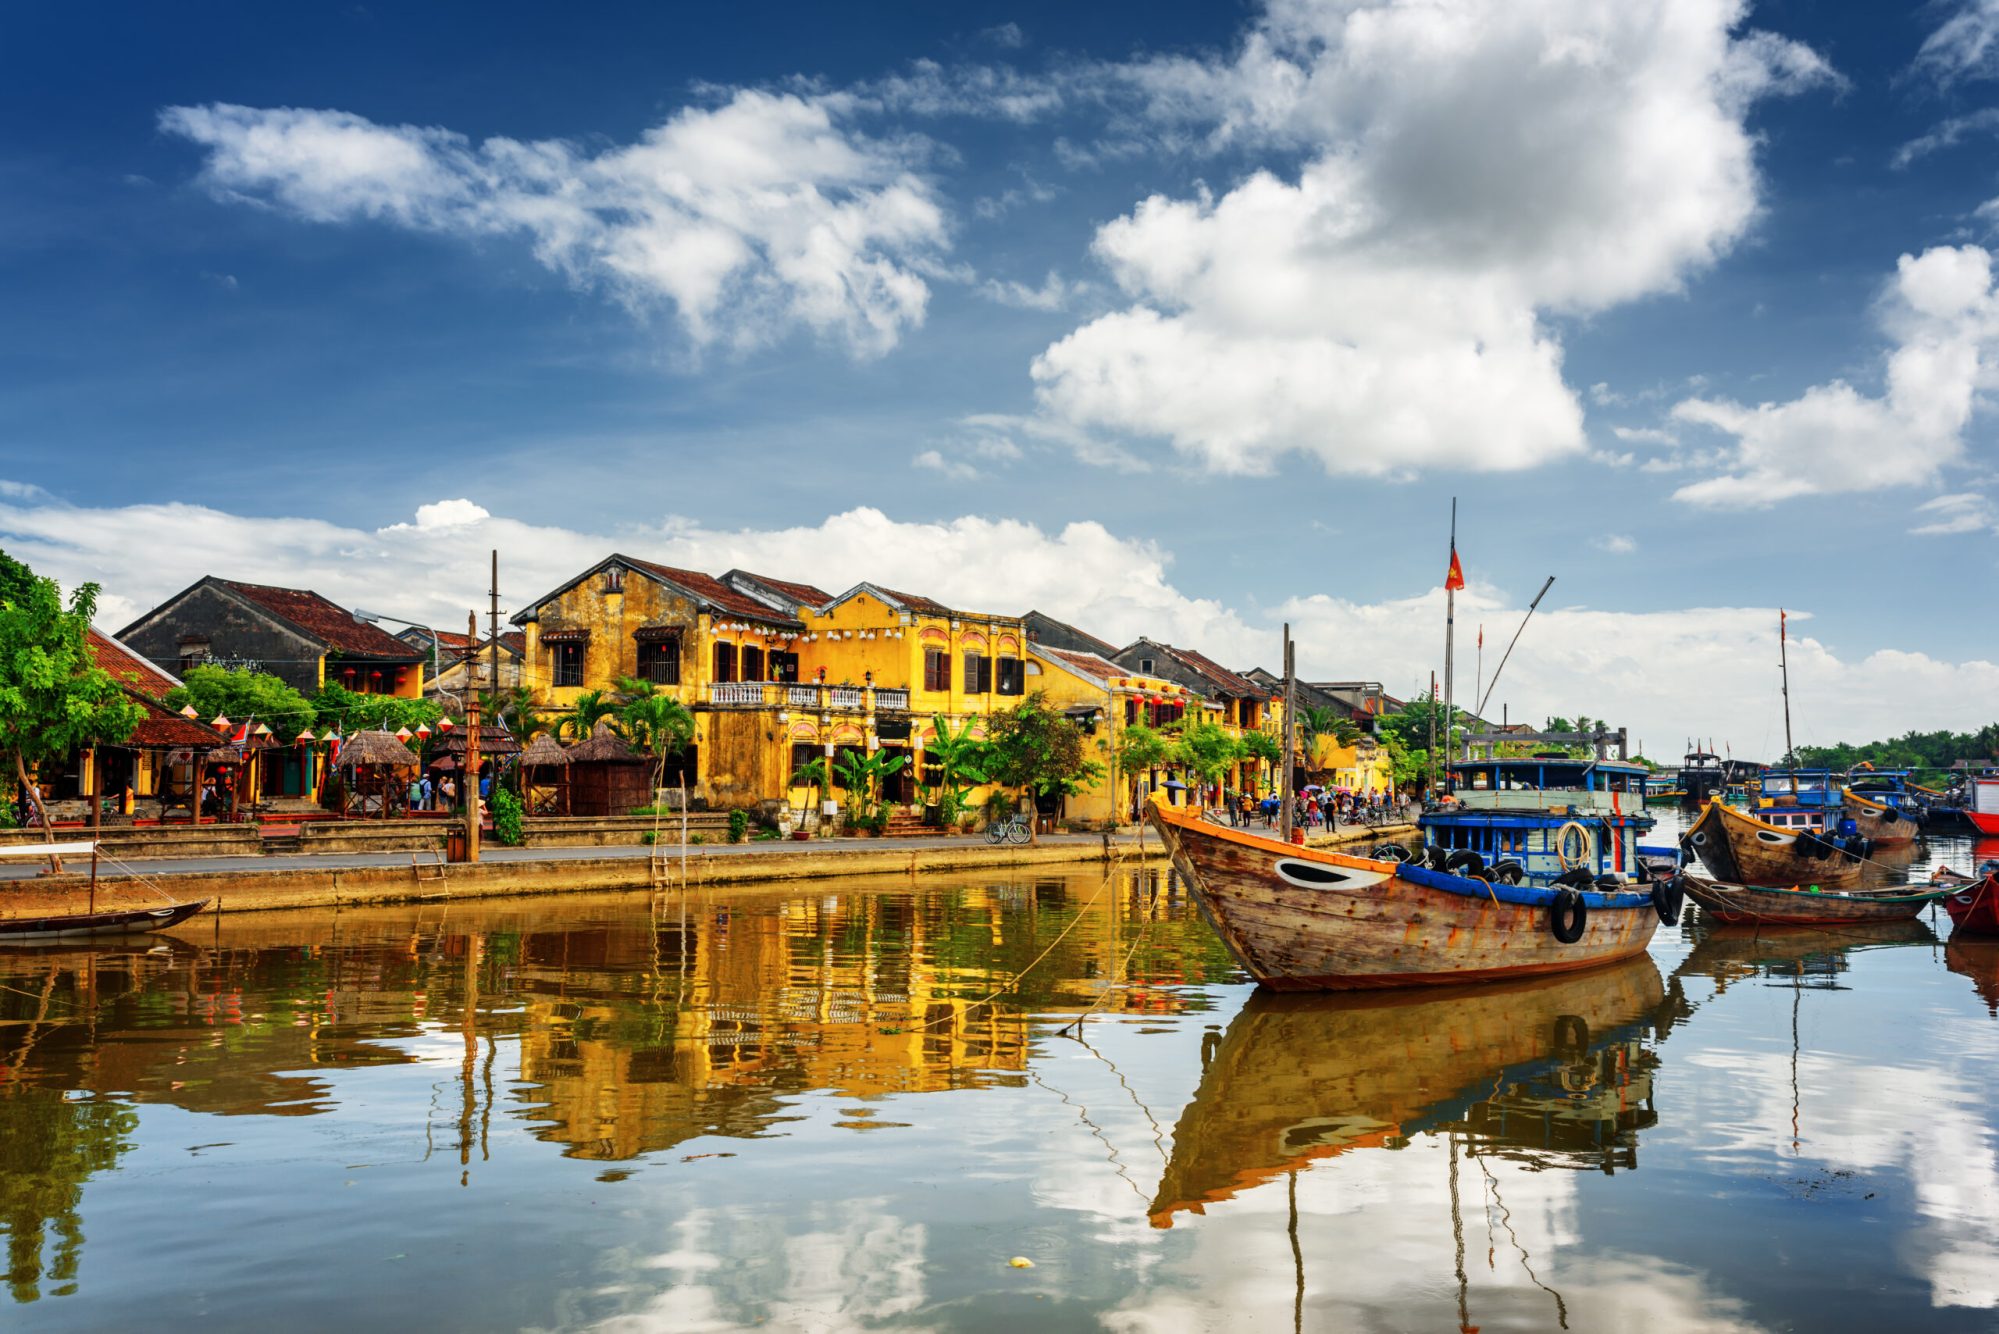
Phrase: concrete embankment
x=276 y=883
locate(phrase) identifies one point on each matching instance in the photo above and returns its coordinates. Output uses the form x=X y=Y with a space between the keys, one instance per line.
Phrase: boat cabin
x=1549 y=783
x=1550 y=814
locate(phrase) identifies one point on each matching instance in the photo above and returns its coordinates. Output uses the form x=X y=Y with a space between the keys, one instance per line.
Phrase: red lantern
x=444 y=724
x=423 y=731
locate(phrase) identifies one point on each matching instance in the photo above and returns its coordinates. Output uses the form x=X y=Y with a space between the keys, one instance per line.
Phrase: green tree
x=350 y=711
x=516 y=709
x=1207 y=751
x=813 y=774
x=654 y=723
x=16 y=579
x=54 y=698
x=590 y=708
x=243 y=695
x=861 y=773
x=1039 y=749
x=1261 y=746
x=962 y=762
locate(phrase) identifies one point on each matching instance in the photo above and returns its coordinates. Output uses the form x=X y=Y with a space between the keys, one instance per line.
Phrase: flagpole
x=1478 y=688
x=1784 y=665
x=1450 y=638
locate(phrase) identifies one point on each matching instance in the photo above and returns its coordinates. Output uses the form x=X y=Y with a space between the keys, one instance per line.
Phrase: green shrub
x=648 y=837
x=506 y=817
x=739 y=825
x=697 y=838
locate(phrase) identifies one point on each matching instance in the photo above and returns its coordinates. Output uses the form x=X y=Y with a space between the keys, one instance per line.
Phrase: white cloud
x=1965 y=46
x=1946 y=135
x=1473 y=166
x=1964 y=512
x=1053 y=294
x=1942 y=313
x=449 y=514
x=928 y=88
x=1615 y=544
x=956 y=469
x=1661 y=673
x=1645 y=435
x=1006 y=35
x=749 y=219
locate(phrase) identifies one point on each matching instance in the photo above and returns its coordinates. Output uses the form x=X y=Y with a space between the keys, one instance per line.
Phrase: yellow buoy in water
x=1021 y=1262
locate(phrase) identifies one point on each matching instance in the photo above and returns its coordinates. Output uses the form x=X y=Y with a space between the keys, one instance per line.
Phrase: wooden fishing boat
x=1971 y=901
x=1309 y=919
x=1737 y=904
x=1739 y=849
x=1551 y=1070
x=1878 y=822
x=1981 y=805
x=38 y=927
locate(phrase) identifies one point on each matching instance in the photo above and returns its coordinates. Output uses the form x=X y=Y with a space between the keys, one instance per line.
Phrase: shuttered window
x=978 y=673
x=936 y=669
x=725 y=661
x=1012 y=676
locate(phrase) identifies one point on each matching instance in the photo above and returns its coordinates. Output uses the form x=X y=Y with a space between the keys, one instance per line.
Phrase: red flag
x=1481 y=634
x=1456 y=578
x=242 y=736
x=1782 y=616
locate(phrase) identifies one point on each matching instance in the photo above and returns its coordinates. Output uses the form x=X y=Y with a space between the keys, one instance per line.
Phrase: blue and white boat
x=1825 y=789
x=1538 y=820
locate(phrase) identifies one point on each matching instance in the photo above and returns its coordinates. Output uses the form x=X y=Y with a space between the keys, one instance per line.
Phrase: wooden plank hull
x=1974 y=908
x=1306 y=919
x=1880 y=824
x=1300 y=1078
x=1743 y=904
x=1739 y=849
x=123 y=922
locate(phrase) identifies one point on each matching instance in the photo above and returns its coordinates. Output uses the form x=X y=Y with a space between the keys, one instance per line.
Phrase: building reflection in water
x=615 y=1028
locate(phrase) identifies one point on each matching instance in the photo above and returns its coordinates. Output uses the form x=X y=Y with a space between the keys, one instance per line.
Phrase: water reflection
x=1550 y=1072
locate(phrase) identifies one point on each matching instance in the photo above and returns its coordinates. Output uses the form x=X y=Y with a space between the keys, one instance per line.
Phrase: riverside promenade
x=334 y=879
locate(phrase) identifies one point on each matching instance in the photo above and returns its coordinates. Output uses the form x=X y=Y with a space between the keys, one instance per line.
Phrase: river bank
x=321 y=880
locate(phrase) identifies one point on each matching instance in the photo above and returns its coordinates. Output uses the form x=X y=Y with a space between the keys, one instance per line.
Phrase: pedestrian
x=415 y=795
x=450 y=789
x=424 y=792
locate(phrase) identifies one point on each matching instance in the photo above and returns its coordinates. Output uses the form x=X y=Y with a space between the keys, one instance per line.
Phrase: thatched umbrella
x=380 y=754
x=545 y=752
x=606 y=776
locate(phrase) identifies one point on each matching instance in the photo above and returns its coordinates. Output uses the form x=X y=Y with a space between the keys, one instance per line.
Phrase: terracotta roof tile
x=128 y=669
x=1088 y=664
x=806 y=594
x=713 y=591
x=917 y=602
x=325 y=621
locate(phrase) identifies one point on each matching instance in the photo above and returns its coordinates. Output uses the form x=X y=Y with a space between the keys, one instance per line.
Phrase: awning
x=562 y=636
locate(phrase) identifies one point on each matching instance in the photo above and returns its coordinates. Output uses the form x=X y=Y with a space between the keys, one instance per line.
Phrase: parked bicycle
x=1013 y=829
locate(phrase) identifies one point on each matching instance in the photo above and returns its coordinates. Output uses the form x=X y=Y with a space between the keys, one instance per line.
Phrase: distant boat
x=1740 y=849
x=35 y=928
x=1308 y=919
x=1757 y=904
x=1981 y=805
x=1882 y=824
x=1973 y=904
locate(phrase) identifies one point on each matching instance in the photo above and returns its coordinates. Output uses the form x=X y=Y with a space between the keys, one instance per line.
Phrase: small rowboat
x=91 y=922
x=1309 y=919
x=1801 y=906
x=1739 y=849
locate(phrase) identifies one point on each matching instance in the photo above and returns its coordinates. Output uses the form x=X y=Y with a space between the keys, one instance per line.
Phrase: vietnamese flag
x=1456 y=578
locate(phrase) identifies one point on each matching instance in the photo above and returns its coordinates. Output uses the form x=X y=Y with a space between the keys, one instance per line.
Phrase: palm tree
x=653 y=722
x=861 y=774
x=590 y=708
x=813 y=774
x=1314 y=720
x=961 y=763
x=516 y=709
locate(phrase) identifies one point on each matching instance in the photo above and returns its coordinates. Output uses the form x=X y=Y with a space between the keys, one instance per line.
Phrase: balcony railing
x=790 y=695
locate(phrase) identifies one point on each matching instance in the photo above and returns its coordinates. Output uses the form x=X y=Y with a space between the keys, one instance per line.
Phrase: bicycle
x=1013 y=829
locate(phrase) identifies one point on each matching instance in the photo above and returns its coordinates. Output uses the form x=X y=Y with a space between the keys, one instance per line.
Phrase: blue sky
x=1180 y=320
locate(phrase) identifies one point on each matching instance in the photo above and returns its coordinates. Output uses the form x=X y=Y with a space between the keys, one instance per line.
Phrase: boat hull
x=1303 y=919
x=1744 y=904
x=1974 y=908
x=1879 y=823
x=123 y=922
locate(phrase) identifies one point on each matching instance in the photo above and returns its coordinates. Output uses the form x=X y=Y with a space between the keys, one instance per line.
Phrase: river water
x=794 y=1111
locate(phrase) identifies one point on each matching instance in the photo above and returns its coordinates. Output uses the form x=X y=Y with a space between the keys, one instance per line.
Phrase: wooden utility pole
x=493 y=621
x=470 y=784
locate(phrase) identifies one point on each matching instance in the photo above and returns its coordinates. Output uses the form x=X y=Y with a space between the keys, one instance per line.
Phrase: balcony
x=812 y=698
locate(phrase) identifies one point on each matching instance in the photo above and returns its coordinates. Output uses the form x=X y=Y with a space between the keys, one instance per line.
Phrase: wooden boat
x=35 y=928
x=1538 y=818
x=1739 y=849
x=1309 y=919
x=1972 y=902
x=1548 y=1069
x=1981 y=805
x=1793 y=906
x=1879 y=823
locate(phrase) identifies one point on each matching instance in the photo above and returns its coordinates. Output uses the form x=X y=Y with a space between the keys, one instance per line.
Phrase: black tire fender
x=1465 y=862
x=1390 y=852
x=1568 y=915
x=1667 y=895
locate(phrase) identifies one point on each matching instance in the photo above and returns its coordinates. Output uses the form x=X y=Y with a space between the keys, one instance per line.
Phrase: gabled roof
x=1219 y=678
x=167 y=730
x=1089 y=666
x=1090 y=642
x=324 y=620
x=782 y=593
x=916 y=604
x=137 y=674
x=705 y=590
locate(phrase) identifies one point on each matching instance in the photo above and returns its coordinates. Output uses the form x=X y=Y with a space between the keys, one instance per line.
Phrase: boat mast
x=1450 y=639
x=1784 y=666
x=1290 y=726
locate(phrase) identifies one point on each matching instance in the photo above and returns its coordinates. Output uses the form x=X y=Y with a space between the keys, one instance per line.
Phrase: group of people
x=424 y=795
x=1312 y=808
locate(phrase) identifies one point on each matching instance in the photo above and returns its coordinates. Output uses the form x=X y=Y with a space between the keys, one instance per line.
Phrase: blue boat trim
x=1522 y=894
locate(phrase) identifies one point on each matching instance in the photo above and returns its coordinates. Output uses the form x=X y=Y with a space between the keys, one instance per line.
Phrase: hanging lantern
x=403 y=734
x=219 y=721
x=423 y=731
x=445 y=724
x=305 y=737
x=189 y=711
x=263 y=729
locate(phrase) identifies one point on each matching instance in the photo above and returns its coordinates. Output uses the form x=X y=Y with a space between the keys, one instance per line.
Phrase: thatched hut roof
x=378 y=750
x=543 y=750
x=603 y=747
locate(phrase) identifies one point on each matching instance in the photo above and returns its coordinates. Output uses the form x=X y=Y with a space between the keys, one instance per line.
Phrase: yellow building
x=1103 y=699
x=1361 y=767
